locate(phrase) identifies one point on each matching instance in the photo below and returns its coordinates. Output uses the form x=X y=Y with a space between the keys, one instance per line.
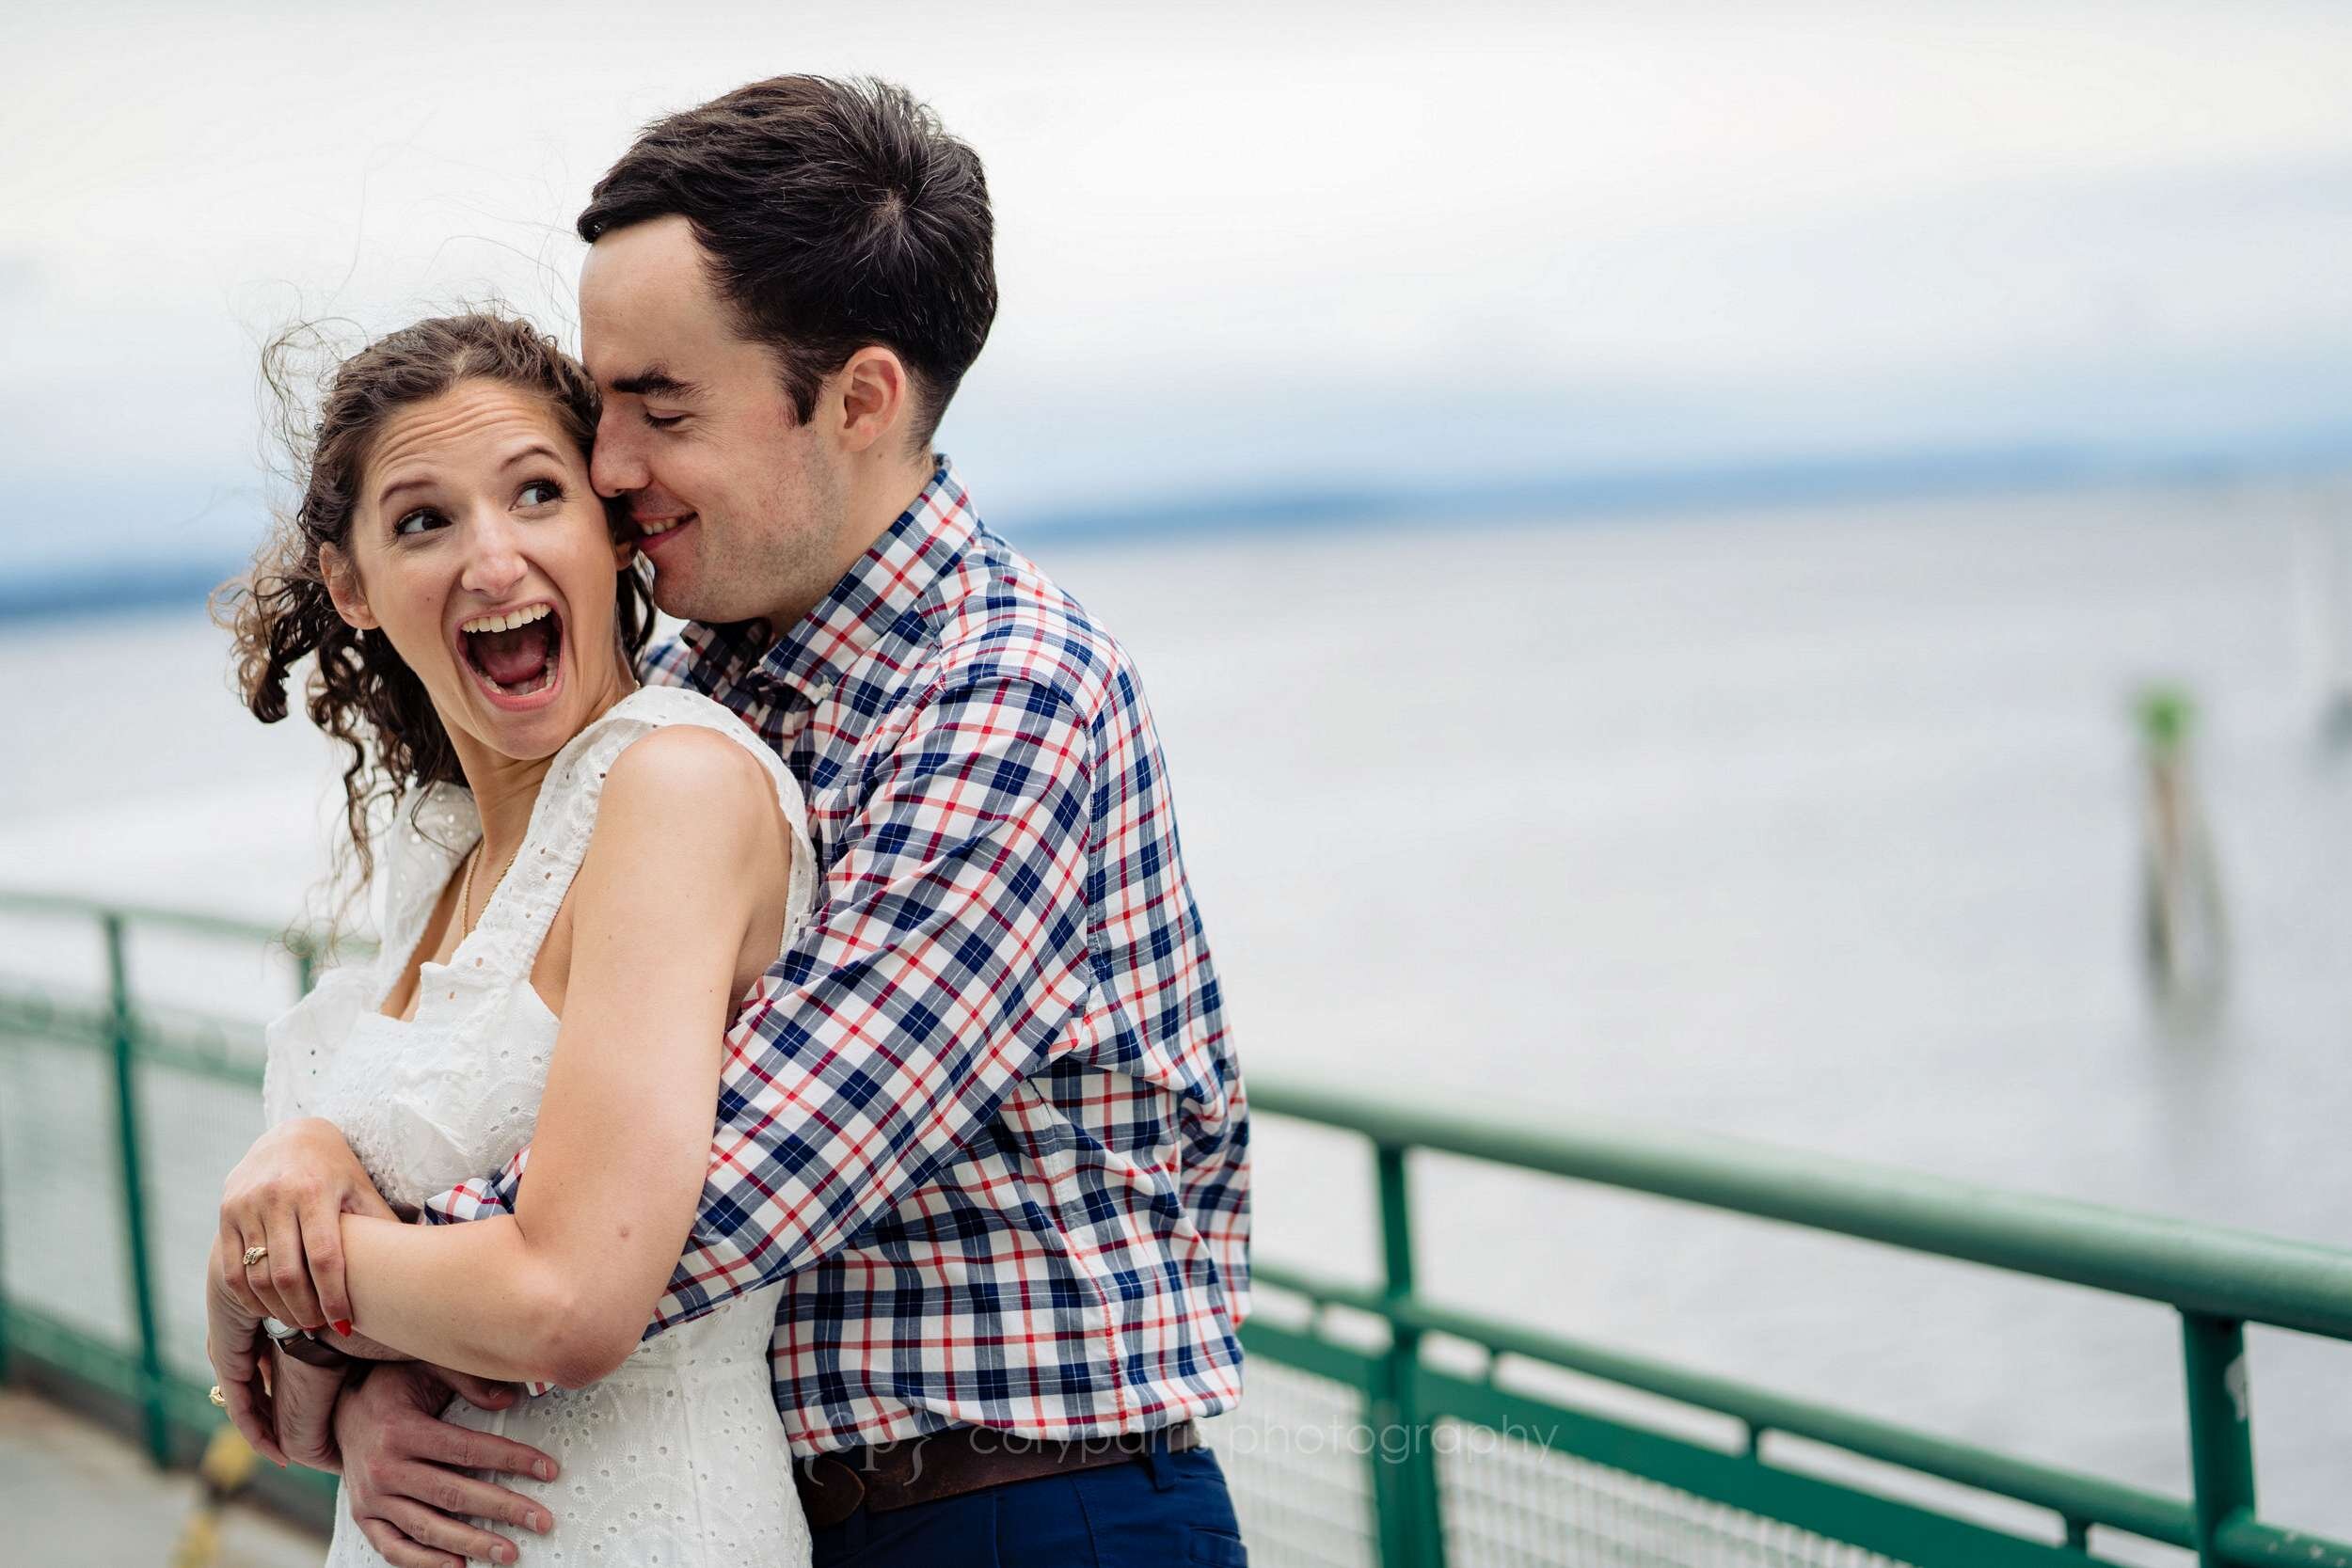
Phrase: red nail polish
x=343 y=1326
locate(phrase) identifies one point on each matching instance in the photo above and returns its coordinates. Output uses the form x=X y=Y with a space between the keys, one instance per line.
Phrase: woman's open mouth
x=517 y=655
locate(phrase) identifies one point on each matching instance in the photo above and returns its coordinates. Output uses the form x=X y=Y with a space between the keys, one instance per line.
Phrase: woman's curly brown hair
x=360 y=690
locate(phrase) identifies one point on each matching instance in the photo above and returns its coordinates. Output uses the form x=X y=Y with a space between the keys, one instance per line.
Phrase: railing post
x=132 y=1150
x=305 y=960
x=4 y=1286
x=2220 y=1428
x=1403 y=1465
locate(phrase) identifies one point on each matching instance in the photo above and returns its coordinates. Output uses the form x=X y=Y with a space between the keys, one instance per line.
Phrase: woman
x=580 y=880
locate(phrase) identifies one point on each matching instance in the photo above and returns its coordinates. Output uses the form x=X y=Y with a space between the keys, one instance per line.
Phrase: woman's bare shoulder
x=690 y=785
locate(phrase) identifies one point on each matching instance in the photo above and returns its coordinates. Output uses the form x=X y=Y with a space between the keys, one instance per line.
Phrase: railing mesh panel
x=1514 y=1504
x=197 y=1127
x=1303 y=1493
x=62 y=1243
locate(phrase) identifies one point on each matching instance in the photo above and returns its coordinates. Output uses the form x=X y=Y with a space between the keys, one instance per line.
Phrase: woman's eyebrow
x=414 y=481
x=537 y=450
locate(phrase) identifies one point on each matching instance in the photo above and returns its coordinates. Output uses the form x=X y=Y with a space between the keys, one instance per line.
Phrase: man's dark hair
x=835 y=215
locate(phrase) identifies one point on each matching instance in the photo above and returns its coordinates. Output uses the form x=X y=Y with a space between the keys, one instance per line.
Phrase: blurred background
x=1782 y=570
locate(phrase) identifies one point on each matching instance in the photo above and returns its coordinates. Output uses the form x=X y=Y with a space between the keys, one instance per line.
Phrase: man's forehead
x=638 y=351
x=646 y=264
x=645 y=314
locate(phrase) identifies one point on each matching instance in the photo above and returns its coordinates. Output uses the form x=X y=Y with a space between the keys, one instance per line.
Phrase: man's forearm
x=302 y=1400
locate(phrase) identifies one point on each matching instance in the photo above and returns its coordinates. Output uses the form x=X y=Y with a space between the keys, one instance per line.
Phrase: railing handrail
x=2197 y=1268
x=229 y=928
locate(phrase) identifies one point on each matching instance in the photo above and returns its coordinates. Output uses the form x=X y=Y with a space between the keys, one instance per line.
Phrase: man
x=982 y=1116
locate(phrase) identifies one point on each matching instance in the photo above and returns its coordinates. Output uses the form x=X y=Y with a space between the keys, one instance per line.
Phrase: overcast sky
x=1248 y=245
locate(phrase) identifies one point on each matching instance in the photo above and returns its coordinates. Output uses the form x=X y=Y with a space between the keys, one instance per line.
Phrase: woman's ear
x=342 y=587
x=624 y=554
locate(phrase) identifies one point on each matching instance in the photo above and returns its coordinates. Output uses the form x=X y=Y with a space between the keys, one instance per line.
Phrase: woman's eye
x=417 y=521
x=541 y=492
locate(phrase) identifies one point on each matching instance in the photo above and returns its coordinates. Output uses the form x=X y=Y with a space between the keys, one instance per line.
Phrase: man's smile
x=654 y=532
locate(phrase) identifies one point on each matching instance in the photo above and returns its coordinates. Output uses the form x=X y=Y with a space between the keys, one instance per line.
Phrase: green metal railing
x=1406 y=1496
x=165 y=1403
x=2217 y=1280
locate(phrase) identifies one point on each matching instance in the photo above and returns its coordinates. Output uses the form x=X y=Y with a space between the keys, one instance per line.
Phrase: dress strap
x=515 y=922
x=430 y=831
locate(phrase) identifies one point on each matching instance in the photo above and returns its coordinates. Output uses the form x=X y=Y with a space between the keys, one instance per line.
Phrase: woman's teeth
x=505 y=621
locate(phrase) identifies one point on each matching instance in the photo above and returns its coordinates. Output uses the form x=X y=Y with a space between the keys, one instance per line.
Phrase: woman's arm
x=689 y=847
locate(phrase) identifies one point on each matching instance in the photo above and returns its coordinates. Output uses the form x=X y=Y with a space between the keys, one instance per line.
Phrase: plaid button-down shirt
x=982 y=1117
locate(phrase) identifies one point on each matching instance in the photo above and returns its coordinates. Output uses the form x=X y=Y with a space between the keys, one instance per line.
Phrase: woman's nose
x=495 y=565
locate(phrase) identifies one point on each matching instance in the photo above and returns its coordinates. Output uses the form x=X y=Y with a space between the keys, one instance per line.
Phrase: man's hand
x=405 y=1469
x=233 y=1328
x=304 y=1397
x=289 y=1195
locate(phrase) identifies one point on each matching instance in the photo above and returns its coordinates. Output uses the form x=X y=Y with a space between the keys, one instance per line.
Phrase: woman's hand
x=232 y=1332
x=288 y=1195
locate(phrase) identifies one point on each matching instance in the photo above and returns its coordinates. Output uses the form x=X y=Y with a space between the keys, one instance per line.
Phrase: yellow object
x=199 y=1545
x=229 y=1462
x=227 y=1465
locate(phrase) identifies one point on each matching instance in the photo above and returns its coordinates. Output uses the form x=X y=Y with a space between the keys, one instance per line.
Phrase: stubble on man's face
x=762 y=544
x=698 y=432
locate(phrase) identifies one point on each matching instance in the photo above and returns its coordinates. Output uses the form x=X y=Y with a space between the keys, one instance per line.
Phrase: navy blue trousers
x=1159 y=1510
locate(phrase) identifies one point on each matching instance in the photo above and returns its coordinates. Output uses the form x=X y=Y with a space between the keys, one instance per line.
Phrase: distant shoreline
x=182 y=584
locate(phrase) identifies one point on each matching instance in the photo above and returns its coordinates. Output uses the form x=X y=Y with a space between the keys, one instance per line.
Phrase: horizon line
x=1565 y=498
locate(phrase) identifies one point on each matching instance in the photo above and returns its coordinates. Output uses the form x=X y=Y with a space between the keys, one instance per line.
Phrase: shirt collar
x=928 y=538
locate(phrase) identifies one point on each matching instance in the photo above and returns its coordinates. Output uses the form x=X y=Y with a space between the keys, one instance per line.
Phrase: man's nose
x=615 y=468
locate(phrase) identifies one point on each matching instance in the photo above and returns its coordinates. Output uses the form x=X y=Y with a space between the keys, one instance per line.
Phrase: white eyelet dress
x=679 y=1458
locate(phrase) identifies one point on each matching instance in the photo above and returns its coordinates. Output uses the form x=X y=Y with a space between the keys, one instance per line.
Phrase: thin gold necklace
x=465 y=888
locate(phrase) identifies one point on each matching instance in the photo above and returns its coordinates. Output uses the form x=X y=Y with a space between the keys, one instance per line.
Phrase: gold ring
x=218 y=1398
x=254 y=1254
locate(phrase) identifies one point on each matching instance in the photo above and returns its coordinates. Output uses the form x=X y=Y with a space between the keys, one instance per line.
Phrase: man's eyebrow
x=654 y=381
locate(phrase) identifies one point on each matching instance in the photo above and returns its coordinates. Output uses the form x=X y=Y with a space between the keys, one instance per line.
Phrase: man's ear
x=342 y=587
x=876 y=396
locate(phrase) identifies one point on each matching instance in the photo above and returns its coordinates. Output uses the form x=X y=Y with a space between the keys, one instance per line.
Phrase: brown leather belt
x=961 y=1459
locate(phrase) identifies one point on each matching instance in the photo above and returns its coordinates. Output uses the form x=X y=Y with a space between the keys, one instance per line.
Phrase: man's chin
x=673 y=598
x=671 y=595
